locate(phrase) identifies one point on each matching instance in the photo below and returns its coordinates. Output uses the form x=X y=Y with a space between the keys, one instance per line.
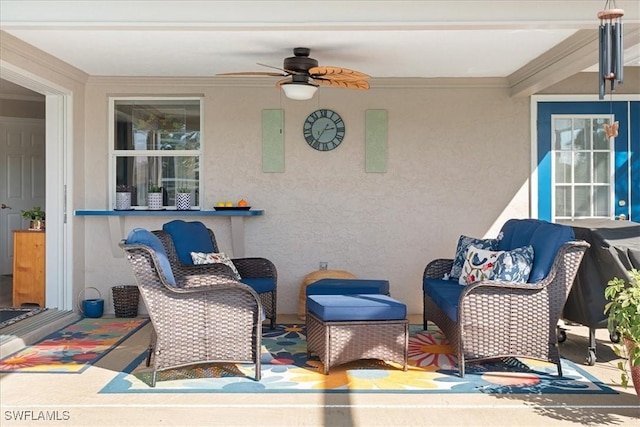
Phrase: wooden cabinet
x=28 y=267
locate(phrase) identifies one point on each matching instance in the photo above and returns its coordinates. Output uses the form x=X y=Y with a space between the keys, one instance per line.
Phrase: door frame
x=534 y=189
x=59 y=178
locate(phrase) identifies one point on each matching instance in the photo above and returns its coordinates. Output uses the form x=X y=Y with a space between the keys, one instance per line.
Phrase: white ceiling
x=386 y=39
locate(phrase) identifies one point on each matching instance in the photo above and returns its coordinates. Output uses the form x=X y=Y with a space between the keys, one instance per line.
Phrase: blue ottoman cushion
x=348 y=287
x=356 y=307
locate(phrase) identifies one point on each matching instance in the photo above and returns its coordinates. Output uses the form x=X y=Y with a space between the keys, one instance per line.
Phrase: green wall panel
x=272 y=141
x=376 y=123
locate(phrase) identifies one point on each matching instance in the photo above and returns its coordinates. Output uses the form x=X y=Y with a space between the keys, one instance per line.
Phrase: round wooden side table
x=314 y=277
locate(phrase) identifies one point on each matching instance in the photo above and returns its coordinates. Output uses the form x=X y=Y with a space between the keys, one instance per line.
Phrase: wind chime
x=611 y=52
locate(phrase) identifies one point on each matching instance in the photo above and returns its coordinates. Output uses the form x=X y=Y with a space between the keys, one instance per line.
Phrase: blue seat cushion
x=356 y=307
x=348 y=286
x=140 y=236
x=189 y=237
x=445 y=294
x=260 y=285
x=545 y=237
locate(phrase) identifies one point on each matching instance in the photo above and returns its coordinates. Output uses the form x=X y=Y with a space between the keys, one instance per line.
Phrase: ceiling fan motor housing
x=301 y=62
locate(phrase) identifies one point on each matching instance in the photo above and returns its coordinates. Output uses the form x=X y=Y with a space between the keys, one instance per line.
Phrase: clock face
x=323 y=130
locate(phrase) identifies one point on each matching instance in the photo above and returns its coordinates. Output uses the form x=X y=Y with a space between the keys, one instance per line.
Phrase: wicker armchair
x=210 y=319
x=497 y=319
x=248 y=268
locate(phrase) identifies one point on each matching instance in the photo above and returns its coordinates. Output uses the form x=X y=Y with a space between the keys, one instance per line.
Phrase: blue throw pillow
x=141 y=236
x=463 y=244
x=189 y=237
x=514 y=265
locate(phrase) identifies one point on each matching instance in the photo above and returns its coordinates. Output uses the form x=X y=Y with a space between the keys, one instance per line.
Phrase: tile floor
x=76 y=397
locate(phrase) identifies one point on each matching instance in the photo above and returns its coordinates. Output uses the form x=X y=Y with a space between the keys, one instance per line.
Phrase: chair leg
x=149 y=352
x=152 y=346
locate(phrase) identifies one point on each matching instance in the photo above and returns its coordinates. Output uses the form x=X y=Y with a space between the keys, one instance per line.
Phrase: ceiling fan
x=303 y=75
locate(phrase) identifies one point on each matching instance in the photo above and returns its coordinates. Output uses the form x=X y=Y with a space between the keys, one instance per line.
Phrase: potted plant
x=123 y=197
x=154 y=198
x=183 y=198
x=623 y=309
x=36 y=217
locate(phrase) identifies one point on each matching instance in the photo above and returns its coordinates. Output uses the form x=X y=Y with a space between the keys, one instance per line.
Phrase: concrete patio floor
x=75 y=401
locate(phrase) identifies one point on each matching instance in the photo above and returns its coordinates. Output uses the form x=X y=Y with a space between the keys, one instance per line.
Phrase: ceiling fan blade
x=337 y=73
x=252 y=73
x=287 y=72
x=346 y=84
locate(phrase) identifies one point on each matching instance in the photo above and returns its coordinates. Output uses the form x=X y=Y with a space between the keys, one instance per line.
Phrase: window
x=582 y=167
x=156 y=142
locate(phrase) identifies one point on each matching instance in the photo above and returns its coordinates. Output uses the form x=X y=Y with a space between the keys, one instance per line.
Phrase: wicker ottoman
x=344 y=328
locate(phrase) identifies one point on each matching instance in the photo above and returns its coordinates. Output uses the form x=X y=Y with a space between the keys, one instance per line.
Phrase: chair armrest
x=204 y=279
x=438 y=268
x=255 y=268
x=210 y=284
x=183 y=272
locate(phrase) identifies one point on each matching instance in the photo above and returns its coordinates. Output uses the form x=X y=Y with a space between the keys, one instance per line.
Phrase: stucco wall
x=458 y=162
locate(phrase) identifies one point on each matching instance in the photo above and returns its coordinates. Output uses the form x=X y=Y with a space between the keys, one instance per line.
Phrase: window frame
x=592 y=170
x=115 y=154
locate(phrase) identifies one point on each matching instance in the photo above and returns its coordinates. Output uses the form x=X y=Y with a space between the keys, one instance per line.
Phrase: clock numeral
x=309 y=138
x=340 y=129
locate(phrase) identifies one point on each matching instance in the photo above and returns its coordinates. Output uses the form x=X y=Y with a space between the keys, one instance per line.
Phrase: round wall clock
x=323 y=129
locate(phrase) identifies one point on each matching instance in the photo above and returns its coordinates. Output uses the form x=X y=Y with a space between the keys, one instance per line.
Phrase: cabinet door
x=29 y=268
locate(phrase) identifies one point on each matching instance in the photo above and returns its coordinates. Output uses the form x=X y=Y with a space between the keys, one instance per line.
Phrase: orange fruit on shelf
x=242 y=203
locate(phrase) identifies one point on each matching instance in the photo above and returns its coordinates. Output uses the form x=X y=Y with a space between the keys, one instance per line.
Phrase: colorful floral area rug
x=73 y=348
x=286 y=369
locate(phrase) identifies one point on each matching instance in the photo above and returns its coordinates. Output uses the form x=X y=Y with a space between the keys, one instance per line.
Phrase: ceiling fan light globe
x=299 y=91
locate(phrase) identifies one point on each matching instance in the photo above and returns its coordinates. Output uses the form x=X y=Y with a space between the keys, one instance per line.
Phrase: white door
x=22 y=178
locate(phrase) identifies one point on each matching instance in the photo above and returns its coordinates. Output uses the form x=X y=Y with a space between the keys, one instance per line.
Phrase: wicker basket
x=125 y=300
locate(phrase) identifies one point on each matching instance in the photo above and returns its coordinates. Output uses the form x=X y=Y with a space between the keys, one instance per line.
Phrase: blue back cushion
x=140 y=236
x=189 y=237
x=545 y=237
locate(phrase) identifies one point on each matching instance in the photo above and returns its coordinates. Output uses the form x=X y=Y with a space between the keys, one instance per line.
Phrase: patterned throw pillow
x=463 y=243
x=200 y=258
x=514 y=265
x=478 y=265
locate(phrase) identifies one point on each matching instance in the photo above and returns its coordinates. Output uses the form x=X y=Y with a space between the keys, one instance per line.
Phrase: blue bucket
x=91 y=307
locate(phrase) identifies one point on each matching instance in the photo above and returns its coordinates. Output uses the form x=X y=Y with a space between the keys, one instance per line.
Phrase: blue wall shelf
x=117 y=219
